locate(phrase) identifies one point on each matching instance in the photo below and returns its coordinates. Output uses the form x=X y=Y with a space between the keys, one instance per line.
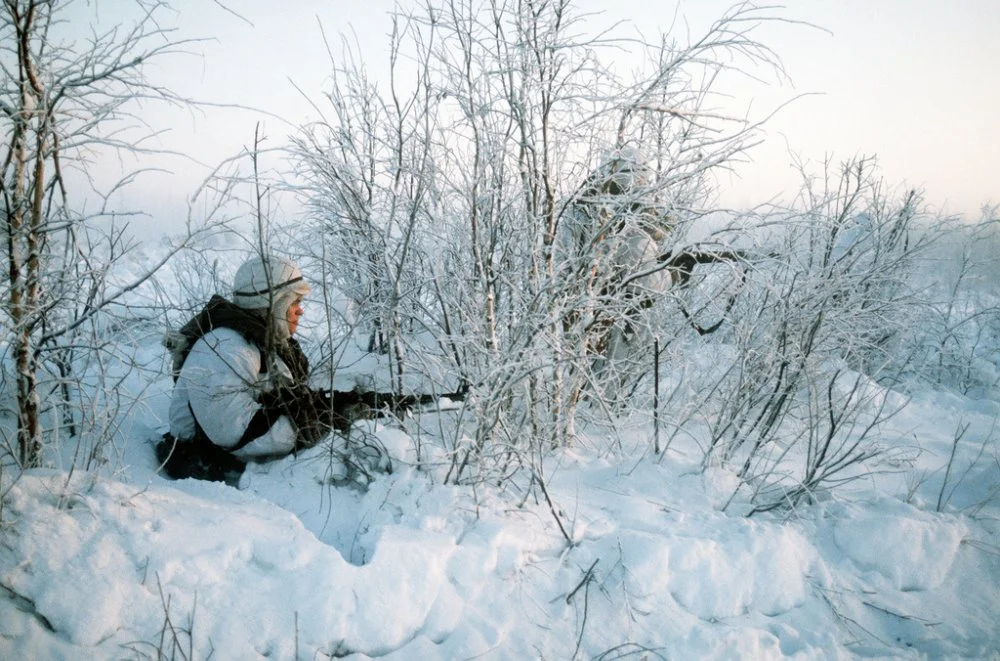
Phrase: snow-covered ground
x=295 y=564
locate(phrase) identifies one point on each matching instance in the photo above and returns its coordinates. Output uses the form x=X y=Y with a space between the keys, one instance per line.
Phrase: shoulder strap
x=259 y=425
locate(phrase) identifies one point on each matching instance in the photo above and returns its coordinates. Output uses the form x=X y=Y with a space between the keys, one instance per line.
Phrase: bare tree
x=67 y=101
x=498 y=198
x=370 y=173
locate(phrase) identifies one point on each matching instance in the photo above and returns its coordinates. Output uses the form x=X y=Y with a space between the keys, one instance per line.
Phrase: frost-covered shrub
x=953 y=335
x=818 y=320
x=495 y=203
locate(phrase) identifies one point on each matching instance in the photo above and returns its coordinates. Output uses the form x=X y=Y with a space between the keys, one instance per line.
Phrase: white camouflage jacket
x=218 y=386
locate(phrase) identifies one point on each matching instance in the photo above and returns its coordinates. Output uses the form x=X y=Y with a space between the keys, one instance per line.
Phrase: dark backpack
x=217 y=313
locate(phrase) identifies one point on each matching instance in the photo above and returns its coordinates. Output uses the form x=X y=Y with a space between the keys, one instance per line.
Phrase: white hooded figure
x=611 y=244
x=240 y=390
x=616 y=223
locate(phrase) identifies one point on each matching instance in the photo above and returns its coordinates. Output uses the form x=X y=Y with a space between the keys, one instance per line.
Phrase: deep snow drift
x=297 y=563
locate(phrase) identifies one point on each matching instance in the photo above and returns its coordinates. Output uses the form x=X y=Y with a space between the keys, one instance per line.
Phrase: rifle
x=340 y=408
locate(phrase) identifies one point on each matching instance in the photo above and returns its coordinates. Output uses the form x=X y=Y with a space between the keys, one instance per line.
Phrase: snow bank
x=247 y=574
x=912 y=549
x=294 y=564
x=763 y=567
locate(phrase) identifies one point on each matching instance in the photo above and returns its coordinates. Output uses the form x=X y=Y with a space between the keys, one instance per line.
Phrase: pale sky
x=915 y=82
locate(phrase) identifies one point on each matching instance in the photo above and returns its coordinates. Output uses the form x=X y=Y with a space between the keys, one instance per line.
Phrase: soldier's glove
x=304 y=406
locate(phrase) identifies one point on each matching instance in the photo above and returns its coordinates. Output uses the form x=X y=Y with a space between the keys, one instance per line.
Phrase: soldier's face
x=293 y=315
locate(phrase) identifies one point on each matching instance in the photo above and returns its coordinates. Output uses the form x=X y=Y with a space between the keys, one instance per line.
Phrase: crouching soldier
x=240 y=389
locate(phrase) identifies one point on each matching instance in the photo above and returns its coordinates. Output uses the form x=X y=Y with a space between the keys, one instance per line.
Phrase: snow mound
x=912 y=549
x=763 y=566
x=233 y=558
x=626 y=560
